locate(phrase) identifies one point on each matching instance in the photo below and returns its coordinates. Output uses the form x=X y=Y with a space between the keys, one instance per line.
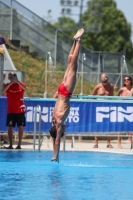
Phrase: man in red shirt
x=16 y=108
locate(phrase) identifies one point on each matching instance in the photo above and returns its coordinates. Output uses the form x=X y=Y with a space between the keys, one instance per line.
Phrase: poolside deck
x=27 y=144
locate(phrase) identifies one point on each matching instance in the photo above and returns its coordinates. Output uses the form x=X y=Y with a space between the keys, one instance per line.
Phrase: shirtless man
x=53 y=129
x=103 y=89
x=65 y=90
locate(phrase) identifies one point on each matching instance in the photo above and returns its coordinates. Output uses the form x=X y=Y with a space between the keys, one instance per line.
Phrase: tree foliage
x=106 y=28
x=67 y=25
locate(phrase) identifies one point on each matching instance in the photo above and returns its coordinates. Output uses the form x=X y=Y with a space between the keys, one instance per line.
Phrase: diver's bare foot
x=79 y=34
x=119 y=146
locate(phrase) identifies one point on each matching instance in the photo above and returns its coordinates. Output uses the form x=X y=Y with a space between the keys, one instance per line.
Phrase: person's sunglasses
x=127 y=79
x=104 y=79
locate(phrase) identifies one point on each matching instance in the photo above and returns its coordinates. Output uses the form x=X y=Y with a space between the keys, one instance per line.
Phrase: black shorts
x=15 y=118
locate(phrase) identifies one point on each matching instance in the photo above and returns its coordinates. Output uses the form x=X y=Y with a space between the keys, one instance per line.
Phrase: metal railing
x=37 y=110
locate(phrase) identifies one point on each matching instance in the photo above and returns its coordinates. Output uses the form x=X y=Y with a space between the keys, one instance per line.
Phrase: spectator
x=16 y=108
x=103 y=89
x=126 y=90
x=2 y=137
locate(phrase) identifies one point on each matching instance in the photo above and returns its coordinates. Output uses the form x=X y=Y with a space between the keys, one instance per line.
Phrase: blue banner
x=86 y=116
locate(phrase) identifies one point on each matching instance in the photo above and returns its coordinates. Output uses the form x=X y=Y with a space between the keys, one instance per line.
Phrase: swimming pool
x=79 y=176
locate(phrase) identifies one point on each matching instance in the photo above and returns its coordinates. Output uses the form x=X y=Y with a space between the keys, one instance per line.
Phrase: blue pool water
x=28 y=175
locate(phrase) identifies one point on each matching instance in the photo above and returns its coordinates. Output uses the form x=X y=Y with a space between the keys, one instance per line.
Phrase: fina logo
x=46 y=114
x=73 y=115
x=115 y=114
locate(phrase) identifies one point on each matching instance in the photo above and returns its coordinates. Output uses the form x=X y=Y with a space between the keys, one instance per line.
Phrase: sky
x=41 y=7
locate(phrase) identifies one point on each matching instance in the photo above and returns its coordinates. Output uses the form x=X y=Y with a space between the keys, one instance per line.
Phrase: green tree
x=106 y=28
x=67 y=25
